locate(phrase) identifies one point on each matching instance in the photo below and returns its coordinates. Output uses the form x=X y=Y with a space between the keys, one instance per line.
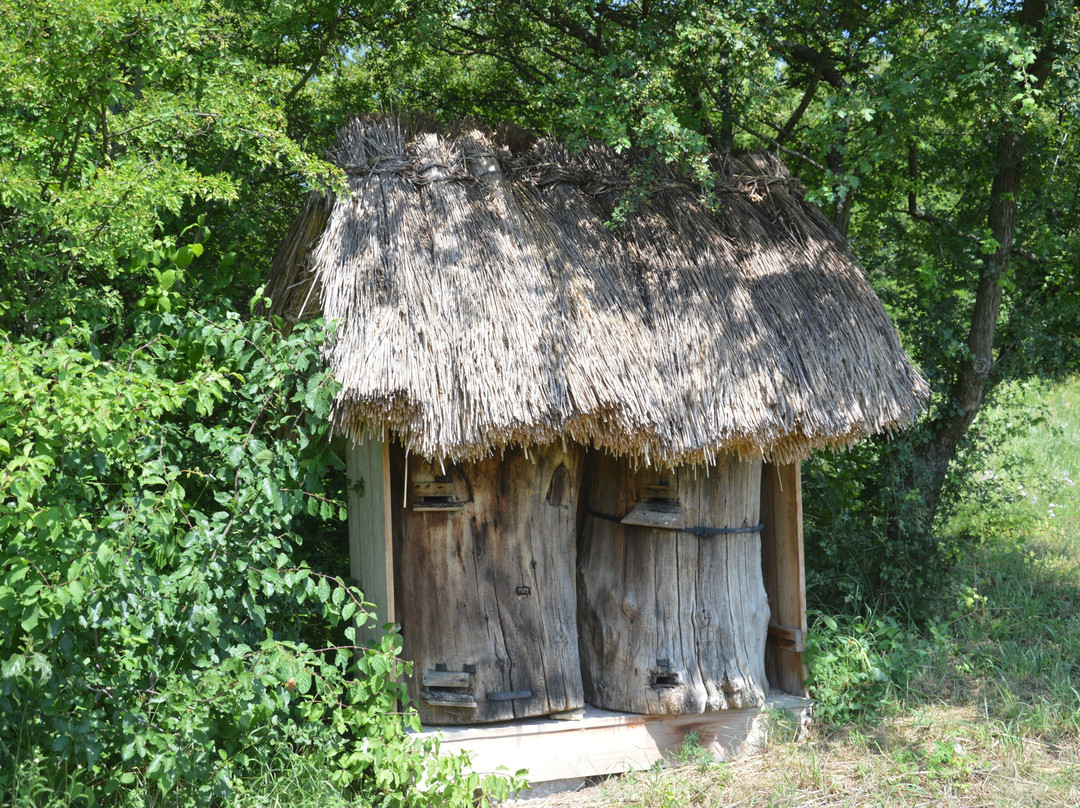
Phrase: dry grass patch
x=943 y=756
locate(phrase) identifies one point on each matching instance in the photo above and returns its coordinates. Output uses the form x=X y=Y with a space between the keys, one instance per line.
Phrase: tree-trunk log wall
x=485 y=559
x=672 y=622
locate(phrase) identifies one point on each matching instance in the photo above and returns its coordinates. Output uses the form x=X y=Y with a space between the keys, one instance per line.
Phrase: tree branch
x=773 y=142
x=558 y=19
x=331 y=27
x=809 y=56
x=800 y=110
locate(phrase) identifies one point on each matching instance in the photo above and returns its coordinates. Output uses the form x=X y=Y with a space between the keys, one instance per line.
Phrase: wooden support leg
x=783 y=570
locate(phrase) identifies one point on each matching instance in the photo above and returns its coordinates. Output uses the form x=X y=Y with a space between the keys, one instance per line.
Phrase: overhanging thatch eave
x=481 y=301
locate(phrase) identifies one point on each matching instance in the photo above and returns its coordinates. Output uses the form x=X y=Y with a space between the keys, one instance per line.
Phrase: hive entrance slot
x=663 y=677
x=443 y=688
x=438 y=495
x=658 y=506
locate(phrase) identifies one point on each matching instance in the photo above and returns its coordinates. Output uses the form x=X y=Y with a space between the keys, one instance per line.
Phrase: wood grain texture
x=783 y=569
x=603 y=743
x=489 y=589
x=672 y=622
x=371 y=559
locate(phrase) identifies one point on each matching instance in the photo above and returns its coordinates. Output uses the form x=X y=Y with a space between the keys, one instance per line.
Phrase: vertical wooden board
x=490 y=586
x=371 y=558
x=554 y=567
x=672 y=622
x=531 y=585
x=783 y=568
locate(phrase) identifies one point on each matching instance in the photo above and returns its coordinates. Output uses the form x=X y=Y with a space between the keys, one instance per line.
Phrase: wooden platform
x=603 y=742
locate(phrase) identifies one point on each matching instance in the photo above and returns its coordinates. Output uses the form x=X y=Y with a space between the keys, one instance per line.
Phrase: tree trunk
x=969 y=389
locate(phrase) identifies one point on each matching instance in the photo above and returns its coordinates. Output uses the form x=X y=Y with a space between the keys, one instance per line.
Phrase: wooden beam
x=446 y=678
x=371 y=554
x=783 y=569
x=603 y=742
x=786 y=637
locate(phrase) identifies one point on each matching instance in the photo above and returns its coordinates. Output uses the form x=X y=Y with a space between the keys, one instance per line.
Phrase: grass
x=991 y=717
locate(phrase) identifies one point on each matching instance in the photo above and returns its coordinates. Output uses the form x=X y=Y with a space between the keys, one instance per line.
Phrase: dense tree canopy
x=152 y=153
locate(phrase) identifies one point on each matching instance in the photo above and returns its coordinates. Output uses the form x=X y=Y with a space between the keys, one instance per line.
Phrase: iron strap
x=703 y=532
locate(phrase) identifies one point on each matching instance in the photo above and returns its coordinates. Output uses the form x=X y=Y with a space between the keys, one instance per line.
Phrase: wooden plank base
x=604 y=742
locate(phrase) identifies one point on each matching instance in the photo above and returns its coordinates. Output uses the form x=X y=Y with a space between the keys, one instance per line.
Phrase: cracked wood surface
x=488 y=590
x=671 y=622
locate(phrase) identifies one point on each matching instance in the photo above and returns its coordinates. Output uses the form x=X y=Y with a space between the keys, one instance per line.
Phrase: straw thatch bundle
x=482 y=301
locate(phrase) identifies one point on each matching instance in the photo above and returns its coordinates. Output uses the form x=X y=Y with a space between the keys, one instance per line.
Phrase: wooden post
x=371 y=555
x=783 y=569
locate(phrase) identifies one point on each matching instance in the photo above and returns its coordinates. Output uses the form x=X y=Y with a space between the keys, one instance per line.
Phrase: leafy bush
x=870 y=541
x=149 y=588
x=858 y=665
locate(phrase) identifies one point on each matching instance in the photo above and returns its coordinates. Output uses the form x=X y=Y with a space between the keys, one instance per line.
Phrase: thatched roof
x=482 y=300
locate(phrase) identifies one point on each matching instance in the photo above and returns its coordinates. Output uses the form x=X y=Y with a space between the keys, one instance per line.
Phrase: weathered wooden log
x=485 y=584
x=671 y=621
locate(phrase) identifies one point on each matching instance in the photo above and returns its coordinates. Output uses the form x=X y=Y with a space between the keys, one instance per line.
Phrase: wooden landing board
x=604 y=742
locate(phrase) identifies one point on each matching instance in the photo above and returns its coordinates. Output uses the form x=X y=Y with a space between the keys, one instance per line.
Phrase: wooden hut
x=580 y=442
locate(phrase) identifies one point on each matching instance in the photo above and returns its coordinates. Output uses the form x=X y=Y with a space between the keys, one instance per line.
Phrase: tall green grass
x=1006 y=637
x=1014 y=623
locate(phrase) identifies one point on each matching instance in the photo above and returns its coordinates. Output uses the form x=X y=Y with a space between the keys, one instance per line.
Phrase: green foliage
x=1001 y=635
x=116 y=119
x=163 y=454
x=860 y=665
x=867 y=536
x=149 y=580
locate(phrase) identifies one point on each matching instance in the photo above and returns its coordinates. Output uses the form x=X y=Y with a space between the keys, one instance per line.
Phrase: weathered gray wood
x=672 y=622
x=446 y=679
x=510 y=695
x=663 y=491
x=448 y=699
x=782 y=565
x=371 y=559
x=438 y=506
x=653 y=514
x=433 y=489
x=490 y=588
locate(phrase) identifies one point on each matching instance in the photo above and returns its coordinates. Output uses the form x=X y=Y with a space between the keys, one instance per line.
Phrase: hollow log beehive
x=485 y=563
x=493 y=330
x=672 y=605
